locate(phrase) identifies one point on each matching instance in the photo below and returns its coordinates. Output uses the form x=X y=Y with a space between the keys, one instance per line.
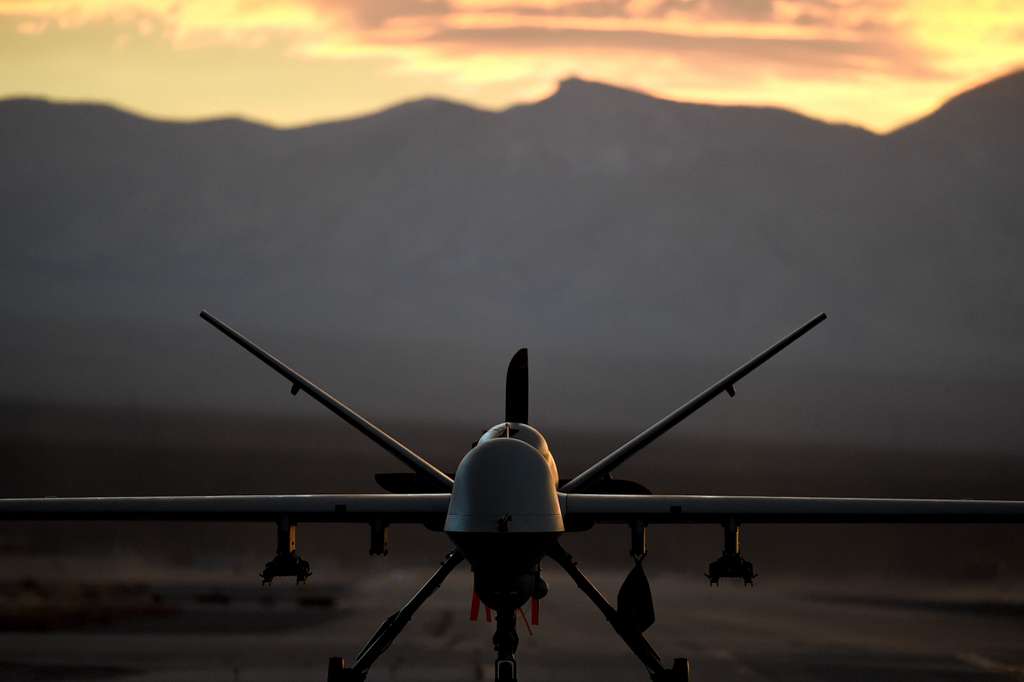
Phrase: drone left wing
x=601 y=469
x=427 y=508
x=722 y=509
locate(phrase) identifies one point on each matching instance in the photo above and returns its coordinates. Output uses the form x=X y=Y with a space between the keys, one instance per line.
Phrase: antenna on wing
x=517 y=389
x=646 y=437
x=301 y=383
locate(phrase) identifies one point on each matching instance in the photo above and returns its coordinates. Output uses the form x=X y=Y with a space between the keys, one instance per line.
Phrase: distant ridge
x=579 y=92
x=1003 y=92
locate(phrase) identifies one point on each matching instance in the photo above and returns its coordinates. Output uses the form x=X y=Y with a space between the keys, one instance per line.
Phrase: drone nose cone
x=505 y=486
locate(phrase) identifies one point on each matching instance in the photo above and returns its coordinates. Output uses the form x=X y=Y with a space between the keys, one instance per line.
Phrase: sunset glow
x=876 y=63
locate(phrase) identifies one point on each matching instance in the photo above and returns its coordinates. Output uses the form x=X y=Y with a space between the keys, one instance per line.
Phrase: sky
x=874 y=63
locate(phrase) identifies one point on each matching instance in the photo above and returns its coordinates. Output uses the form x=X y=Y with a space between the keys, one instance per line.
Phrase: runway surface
x=234 y=630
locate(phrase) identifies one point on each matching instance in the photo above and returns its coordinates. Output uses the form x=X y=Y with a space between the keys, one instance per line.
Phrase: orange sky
x=876 y=63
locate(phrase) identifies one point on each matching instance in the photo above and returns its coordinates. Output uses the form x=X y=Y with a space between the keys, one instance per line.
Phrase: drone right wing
x=434 y=478
x=285 y=511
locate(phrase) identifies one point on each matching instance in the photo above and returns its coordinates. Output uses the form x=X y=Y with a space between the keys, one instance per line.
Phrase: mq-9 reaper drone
x=505 y=510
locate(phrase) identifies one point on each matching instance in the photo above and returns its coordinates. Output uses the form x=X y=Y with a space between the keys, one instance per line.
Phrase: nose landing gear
x=506 y=641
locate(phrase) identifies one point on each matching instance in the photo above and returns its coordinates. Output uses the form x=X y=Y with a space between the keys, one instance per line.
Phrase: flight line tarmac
x=791 y=630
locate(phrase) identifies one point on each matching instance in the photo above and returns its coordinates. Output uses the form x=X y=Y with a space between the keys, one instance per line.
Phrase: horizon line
x=256 y=121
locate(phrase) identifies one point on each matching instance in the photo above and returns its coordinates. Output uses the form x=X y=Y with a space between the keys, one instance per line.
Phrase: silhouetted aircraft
x=505 y=509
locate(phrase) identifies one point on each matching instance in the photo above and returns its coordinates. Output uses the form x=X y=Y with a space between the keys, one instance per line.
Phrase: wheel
x=505 y=670
x=337 y=672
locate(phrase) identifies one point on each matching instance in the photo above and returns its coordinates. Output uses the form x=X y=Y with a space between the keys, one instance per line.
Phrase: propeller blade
x=635 y=602
x=517 y=389
x=535 y=611
x=474 y=608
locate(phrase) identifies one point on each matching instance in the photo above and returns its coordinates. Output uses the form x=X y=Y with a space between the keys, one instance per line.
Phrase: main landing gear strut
x=506 y=641
x=633 y=637
x=339 y=671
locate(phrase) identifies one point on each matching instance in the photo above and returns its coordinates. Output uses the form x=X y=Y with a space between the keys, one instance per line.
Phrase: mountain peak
x=989 y=110
x=575 y=87
x=571 y=84
x=577 y=96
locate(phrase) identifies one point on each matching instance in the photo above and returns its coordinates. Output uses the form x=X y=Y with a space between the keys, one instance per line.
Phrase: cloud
x=745 y=10
x=758 y=10
x=809 y=20
x=374 y=13
x=575 y=8
x=804 y=54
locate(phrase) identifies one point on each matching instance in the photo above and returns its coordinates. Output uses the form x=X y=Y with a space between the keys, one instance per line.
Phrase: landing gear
x=679 y=672
x=339 y=671
x=731 y=564
x=506 y=641
x=286 y=561
x=633 y=637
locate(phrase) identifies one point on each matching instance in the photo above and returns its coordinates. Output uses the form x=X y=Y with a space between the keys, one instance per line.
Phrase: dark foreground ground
x=233 y=630
x=181 y=602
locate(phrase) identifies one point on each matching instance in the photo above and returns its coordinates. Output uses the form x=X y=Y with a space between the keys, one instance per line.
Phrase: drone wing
x=600 y=470
x=583 y=509
x=431 y=475
x=427 y=508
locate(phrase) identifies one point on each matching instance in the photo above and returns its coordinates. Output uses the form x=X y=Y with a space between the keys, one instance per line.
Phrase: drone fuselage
x=504 y=530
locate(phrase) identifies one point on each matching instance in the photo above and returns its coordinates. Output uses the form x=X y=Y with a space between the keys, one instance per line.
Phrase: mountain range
x=640 y=247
